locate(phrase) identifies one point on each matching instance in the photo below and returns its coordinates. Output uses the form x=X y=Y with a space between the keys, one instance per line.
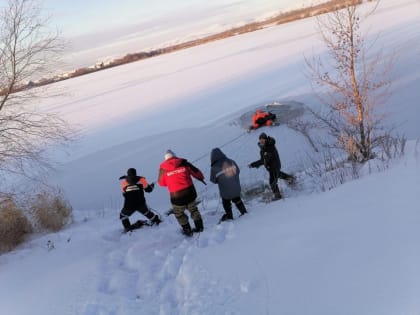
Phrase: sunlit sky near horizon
x=78 y=17
x=97 y=30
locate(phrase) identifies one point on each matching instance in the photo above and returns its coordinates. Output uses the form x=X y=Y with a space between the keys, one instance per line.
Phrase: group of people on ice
x=176 y=174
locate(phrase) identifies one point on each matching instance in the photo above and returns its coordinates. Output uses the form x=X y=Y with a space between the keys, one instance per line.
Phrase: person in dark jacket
x=225 y=173
x=133 y=187
x=176 y=174
x=269 y=157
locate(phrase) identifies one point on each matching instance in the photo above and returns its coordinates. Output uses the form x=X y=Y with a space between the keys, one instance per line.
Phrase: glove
x=149 y=187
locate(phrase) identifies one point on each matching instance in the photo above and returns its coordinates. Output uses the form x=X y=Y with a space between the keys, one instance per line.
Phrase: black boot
x=138 y=224
x=227 y=206
x=125 y=222
x=155 y=220
x=241 y=207
x=276 y=190
x=226 y=216
x=198 y=226
x=186 y=230
x=277 y=196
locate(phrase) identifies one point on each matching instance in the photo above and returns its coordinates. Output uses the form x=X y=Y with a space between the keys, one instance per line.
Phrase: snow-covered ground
x=351 y=250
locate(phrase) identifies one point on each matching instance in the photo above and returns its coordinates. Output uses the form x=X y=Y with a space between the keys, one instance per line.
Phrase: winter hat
x=216 y=154
x=263 y=136
x=131 y=172
x=169 y=154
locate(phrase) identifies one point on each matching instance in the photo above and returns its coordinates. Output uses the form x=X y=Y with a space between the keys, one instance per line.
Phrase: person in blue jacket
x=225 y=173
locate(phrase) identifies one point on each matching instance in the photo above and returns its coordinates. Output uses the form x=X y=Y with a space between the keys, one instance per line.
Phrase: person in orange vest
x=133 y=187
x=261 y=118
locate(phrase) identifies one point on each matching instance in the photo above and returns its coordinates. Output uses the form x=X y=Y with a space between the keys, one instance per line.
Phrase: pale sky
x=77 y=17
x=98 y=30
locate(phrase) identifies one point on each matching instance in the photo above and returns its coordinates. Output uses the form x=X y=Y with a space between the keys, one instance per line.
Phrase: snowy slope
x=347 y=251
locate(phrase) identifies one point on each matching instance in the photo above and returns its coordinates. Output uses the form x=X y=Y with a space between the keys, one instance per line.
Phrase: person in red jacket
x=133 y=187
x=176 y=174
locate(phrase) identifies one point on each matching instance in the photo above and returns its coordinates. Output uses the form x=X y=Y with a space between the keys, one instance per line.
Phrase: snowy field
x=351 y=250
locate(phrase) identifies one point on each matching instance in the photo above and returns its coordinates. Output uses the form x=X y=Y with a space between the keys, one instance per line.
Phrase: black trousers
x=227 y=205
x=127 y=212
x=273 y=180
x=285 y=176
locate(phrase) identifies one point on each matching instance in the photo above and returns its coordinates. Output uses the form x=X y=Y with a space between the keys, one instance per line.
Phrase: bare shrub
x=29 y=48
x=352 y=82
x=392 y=147
x=329 y=171
x=50 y=210
x=14 y=225
x=304 y=127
